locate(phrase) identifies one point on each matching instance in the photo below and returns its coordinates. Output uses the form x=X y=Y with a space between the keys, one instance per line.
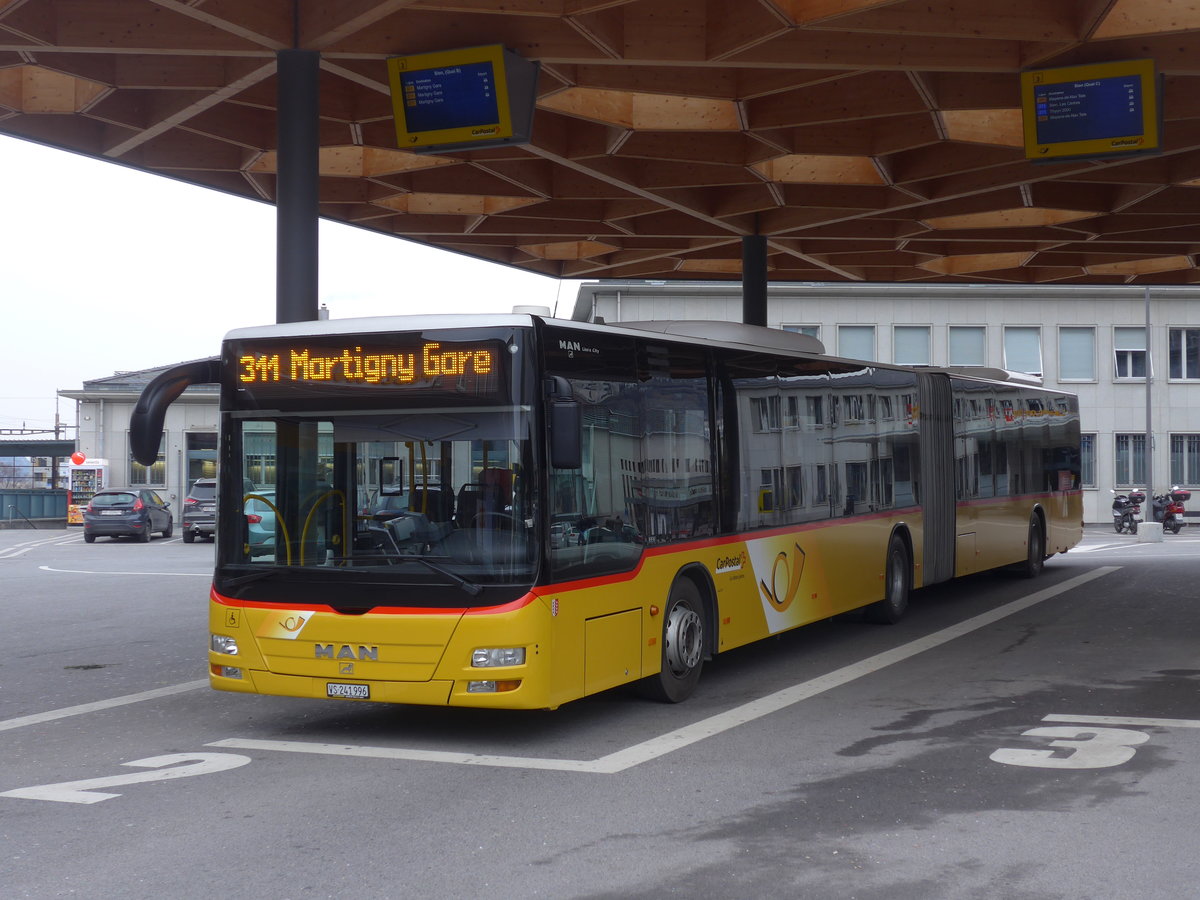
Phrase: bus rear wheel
x=1035 y=552
x=683 y=645
x=891 y=608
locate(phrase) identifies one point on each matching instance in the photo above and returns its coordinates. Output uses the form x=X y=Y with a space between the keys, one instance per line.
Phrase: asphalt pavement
x=1009 y=738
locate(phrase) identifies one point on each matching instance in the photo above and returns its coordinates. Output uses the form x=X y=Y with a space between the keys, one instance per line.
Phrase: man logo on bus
x=345 y=651
x=788 y=579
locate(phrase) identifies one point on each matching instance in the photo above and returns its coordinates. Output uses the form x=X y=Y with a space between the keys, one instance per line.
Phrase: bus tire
x=683 y=644
x=896 y=583
x=1035 y=551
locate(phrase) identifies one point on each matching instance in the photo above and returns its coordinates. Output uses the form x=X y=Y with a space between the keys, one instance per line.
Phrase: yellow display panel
x=455 y=99
x=1098 y=110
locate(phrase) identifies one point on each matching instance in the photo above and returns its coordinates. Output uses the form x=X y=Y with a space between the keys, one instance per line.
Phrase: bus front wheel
x=896 y=583
x=683 y=644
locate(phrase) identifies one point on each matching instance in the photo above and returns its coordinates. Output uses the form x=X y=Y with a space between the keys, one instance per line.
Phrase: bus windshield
x=424 y=498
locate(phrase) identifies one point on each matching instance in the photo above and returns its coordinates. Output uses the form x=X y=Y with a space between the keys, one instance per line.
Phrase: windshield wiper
x=469 y=586
x=253 y=576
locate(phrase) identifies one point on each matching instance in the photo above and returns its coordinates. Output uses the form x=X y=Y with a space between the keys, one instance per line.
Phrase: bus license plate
x=348 y=691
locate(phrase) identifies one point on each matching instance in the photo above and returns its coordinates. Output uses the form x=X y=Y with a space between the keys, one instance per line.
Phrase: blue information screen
x=450 y=97
x=1088 y=110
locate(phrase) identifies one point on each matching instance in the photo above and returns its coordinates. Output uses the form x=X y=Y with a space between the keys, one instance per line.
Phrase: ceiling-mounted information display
x=462 y=99
x=1098 y=110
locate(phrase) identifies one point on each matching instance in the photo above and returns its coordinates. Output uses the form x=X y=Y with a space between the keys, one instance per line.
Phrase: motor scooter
x=1168 y=508
x=1125 y=509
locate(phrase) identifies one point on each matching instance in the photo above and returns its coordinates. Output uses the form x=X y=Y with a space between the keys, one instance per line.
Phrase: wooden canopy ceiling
x=870 y=140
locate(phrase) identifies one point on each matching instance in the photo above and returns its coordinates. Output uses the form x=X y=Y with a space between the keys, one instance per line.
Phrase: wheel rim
x=684 y=636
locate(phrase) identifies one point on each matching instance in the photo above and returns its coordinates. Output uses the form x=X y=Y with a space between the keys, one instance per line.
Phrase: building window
x=766 y=413
x=815 y=409
x=1076 y=354
x=813 y=331
x=822 y=486
x=968 y=345
x=154 y=474
x=770 y=490
x=856 y=341
x=795 y=487
x=1129 y=352
x=1184 y=353
x=910 y=345
x=1087 y=460
x=791 y=412
x=1023 y=349
x=1185 y=459
x=1131 y=460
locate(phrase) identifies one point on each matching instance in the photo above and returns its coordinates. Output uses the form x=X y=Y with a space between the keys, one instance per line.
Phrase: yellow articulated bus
x=515 y=511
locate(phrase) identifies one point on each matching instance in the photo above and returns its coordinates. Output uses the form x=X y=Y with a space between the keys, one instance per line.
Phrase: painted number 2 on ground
x=163 y=768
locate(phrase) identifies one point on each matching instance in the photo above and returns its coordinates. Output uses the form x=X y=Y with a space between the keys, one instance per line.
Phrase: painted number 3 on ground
x=1090 y=748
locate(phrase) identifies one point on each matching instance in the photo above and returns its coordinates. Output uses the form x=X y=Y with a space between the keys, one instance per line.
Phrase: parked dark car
x=200 y=510
x=126 y=512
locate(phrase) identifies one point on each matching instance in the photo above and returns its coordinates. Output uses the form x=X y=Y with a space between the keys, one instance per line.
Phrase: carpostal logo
x=785 y=579
x=1128 y=142
x=732 y=563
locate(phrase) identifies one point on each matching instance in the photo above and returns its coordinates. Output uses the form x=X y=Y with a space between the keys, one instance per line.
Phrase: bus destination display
x=438 y=365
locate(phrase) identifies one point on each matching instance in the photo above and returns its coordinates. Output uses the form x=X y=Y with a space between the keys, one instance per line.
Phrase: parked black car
x=126 y=512
x=200 y=510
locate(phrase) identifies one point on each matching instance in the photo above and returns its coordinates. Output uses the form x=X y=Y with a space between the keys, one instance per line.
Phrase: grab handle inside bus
x=566 y=425
x=146 y=423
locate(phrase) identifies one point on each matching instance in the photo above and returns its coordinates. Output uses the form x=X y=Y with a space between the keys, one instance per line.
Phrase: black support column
x=296 y=192
x=754 y=279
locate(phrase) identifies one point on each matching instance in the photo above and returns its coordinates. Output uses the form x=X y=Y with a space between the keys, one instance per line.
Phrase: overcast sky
x=104 y=269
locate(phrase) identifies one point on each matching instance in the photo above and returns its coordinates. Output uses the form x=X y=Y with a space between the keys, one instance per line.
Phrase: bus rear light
x=490 y=657
x=223 y=643
x=491 y=687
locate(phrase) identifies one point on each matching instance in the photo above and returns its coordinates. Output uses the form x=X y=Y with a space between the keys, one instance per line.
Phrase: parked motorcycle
x=1125 y=509
x=1168 y=508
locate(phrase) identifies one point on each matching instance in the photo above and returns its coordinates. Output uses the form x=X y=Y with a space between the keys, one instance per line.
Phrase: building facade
x=1088 y=339
x=189 y=446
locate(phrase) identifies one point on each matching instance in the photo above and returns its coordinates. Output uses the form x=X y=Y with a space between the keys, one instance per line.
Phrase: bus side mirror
x=565 y=425
x=150 y=411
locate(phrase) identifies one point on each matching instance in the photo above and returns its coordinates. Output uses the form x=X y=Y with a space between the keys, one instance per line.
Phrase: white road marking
x=1124 y=720
x=98 y=572
x=165 y=768
x=99 y=705
x=1090 y=748
x=25 y=546
x=621 y=760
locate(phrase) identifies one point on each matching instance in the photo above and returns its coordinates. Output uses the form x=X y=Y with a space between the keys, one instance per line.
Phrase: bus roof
x=367 y=325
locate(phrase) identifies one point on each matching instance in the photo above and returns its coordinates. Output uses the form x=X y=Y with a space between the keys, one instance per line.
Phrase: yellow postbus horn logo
x=792 y=570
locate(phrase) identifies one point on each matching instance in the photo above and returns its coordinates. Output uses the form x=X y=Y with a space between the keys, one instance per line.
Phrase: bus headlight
x=223 y=643
x=489 y=657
